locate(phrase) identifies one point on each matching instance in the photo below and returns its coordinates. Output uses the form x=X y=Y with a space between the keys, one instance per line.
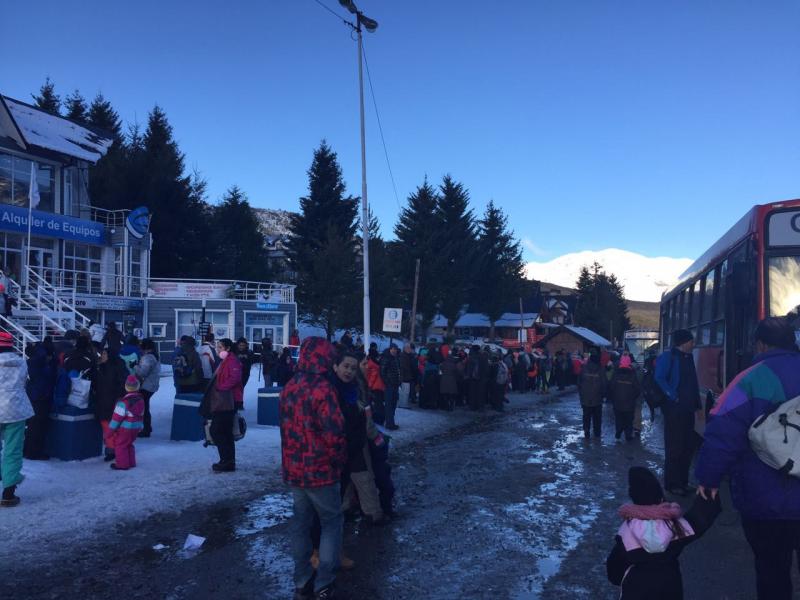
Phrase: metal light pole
x=370 y=25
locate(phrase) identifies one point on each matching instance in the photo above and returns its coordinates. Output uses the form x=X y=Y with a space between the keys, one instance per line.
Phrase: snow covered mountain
x=645 y=278
x=273 y=221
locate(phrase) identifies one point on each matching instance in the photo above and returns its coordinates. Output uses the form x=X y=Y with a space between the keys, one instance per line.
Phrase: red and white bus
x=752 y=272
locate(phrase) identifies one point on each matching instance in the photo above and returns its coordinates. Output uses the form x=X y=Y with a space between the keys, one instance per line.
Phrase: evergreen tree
x=239 y=246
x=180 y=223
x=416 y=232
x=47 y=99
x=76 y=108
x=456 y=249
x=601 y=304
x=114 y=178
x=499 y=265
x=322 y=247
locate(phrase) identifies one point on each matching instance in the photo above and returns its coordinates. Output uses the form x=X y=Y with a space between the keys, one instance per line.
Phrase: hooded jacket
x=592 y=384
x=758 y=490
x=14 y=403
x=313 y=445
x=624 y=389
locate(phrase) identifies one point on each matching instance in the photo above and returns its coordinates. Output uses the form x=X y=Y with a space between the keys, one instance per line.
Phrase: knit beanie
x=132 y=383
x=681 y=336
x=643 y=487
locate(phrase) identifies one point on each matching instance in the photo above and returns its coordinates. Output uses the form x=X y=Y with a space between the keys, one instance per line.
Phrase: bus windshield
x=784 y=285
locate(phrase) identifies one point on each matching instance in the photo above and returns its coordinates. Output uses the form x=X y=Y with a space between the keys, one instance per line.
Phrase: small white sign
x=392 y=320
x=784 y=228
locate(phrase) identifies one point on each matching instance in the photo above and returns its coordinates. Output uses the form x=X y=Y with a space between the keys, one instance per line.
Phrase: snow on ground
x=81 y=499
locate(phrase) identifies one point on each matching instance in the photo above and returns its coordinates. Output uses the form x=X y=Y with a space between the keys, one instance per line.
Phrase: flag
x=33 y=191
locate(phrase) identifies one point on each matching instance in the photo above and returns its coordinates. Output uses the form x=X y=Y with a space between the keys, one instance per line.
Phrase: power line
x=333 y=12
x=380 y=129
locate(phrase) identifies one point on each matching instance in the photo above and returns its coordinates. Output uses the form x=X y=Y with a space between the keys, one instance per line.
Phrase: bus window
x=784 y=285
x=708 y=297
x=697 y=300
x=721 y=285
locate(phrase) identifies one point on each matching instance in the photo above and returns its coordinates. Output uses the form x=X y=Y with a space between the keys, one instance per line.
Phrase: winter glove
x=378 y=440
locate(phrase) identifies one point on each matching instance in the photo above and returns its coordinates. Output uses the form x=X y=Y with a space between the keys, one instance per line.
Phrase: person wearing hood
x=130 y=353
x=188 y=377
x=109 y=386
x=592 y=389
x=313 y=457
x=112 y=339
x=285 y=368
x=148 y=370
x=644 y=559
x=42 y=368
x=390 y=373
x=15 y=409
x=624 y=391
x=246 y=358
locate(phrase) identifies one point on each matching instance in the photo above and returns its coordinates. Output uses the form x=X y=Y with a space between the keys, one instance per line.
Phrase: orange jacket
x=374 y=379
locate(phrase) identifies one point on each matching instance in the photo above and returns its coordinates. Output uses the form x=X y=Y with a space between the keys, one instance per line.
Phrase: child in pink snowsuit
x=125 y=425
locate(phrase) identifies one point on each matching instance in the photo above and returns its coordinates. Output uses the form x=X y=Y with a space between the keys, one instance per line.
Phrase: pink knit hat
x=625 y=362
x=132 y=383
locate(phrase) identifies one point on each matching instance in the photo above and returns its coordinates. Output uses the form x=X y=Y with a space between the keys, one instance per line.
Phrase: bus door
x=740 y=318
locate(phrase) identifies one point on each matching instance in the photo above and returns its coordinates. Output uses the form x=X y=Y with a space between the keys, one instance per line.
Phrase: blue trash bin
x=74 y=434
x=187 y=423
x=268 y=406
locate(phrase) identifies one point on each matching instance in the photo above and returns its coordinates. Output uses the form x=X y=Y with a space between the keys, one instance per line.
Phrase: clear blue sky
x=650 y=126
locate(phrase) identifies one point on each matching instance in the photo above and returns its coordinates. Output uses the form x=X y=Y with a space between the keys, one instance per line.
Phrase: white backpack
x=775 y=438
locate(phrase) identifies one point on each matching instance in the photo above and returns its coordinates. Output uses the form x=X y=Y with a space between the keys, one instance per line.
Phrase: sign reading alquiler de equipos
x=392 y=320
x=187 y=289
x=15 y=218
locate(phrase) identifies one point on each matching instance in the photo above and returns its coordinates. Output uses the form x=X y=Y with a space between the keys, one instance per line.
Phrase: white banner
x=184 y=289
x=392 y=320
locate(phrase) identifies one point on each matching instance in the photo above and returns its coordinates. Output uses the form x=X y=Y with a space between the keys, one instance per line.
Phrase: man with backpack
x=677 y=379
x=187 y=370
x=768 y=499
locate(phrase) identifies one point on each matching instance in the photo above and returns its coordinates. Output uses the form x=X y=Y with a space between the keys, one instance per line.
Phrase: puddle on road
x=266 y=512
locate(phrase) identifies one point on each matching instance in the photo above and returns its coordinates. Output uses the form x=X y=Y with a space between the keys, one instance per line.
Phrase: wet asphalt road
x=516 y=506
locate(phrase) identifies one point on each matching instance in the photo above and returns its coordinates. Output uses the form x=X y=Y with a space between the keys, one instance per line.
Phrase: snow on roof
x=513 y=320
x=55 y=133
x=589 y=335
x=481 y=320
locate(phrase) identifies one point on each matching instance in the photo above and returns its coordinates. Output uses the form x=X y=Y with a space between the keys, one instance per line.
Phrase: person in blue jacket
x=768 y=500
x=677 y=378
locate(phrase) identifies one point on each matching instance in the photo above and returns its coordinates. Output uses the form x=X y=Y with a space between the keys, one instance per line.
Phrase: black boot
x=9 y=499
x=109 y=455
x=224 y=466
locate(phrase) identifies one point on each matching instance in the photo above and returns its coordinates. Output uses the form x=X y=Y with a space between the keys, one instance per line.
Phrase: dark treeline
x=194 y=237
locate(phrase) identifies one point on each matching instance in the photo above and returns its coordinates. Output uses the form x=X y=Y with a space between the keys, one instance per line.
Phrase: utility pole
x=521 y=324
x=369 y=25
x=414 y=303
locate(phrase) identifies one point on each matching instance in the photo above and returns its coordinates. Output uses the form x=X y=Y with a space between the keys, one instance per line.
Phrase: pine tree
x=322 y=247
x=76 y=108
x=601 y=304
x=111 y=185
x=499 y=265
x=181 y=222
x=240 y=249
x=416 y=232
x=456 y=248
x=47 y=99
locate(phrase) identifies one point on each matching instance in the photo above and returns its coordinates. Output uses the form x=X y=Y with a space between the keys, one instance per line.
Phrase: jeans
x=222 y=434
x=390 y=397
x=147 y=418
x=679 y=446
x=326 y=503
x=592 y=418
x=624 y=423
x=773 y=544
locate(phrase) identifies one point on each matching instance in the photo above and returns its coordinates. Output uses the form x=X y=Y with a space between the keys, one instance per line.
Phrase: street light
x=370 y=25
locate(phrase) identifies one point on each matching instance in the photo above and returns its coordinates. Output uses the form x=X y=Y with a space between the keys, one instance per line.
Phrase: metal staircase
x=42 y=309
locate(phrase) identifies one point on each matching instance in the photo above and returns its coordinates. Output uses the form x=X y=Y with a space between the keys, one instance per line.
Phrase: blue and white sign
x=138 y=222
x=266 y=306
x=15 y=218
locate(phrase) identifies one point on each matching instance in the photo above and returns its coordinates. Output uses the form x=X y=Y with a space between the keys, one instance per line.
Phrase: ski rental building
x=68 y=263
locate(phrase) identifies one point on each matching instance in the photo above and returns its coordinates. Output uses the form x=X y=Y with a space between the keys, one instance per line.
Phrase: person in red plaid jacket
x=314 y=453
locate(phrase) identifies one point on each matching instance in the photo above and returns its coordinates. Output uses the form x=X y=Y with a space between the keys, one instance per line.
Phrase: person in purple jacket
x=769 y=501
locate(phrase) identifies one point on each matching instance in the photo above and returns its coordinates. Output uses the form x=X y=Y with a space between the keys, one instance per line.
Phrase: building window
x=188 y=323
x=157 y=330
x=82 y=267
x=135 y=271
x=15 y=177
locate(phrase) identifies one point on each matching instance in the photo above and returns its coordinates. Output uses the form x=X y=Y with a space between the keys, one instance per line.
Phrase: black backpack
x=653 y=394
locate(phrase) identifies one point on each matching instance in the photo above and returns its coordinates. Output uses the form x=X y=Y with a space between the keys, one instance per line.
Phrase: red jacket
x=229 y=377
x=313 y=445
x=374 y=379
